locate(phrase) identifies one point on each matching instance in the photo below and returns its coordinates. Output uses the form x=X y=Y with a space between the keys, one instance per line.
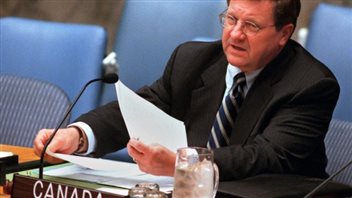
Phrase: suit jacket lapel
x=253 y=105
x=258 y=97
x=205 y=102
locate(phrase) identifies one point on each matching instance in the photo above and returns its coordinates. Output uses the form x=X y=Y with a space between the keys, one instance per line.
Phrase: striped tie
x=226 y=116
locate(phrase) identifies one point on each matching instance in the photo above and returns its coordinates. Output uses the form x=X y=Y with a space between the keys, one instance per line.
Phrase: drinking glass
x=196 y=174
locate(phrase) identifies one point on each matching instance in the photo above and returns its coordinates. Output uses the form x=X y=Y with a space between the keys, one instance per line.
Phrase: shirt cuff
x=89 y=134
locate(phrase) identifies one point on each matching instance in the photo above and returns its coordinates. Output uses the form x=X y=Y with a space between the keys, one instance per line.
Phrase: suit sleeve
x=109 y=129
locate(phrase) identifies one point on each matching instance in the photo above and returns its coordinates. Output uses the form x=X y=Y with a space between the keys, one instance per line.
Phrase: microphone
x=320 y=186
x=110 y=68
x=110 y=76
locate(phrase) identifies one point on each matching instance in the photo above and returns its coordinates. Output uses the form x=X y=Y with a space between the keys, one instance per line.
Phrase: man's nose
x=237 y=31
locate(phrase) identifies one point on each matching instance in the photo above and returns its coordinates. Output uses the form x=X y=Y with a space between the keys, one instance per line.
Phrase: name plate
x=25 y=186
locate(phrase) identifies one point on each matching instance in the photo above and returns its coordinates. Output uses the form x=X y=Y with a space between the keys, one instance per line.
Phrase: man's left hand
x=154 y=159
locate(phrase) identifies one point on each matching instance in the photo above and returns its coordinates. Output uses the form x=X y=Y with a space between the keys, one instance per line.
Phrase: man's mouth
x=238 y=48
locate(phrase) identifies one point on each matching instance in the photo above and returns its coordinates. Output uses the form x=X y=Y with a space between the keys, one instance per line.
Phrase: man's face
x=251 y=52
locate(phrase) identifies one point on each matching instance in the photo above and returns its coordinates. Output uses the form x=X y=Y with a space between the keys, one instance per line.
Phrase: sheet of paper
x=116 y=191
x=5 y=154
x=147 y=122
x=120 y=177
x=95 y=163
x=97 y=176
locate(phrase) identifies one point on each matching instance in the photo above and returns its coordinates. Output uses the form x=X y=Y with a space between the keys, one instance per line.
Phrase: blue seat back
x=67 y=55
x=150 y=30
x=330 y=40
x=338 y=143
x=28 y=105
x=148 y=33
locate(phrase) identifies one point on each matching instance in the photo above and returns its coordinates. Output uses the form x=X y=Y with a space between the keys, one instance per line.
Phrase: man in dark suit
x=280 y=127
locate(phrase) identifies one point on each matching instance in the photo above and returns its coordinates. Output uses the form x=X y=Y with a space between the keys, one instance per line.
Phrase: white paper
x=5 y=154
x=97 y=176
x=120 y=177
x=116 y=191
x=94 y=163
x=145 y=122
x=148 y=123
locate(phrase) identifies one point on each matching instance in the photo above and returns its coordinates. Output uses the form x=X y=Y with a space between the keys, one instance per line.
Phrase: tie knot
x=239 y=80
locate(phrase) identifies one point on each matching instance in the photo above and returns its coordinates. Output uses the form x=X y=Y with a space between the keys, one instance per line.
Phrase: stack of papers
x=126 y=175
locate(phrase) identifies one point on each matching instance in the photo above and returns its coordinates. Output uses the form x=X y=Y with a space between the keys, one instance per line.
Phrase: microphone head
x=110 y=78
x=110 y=69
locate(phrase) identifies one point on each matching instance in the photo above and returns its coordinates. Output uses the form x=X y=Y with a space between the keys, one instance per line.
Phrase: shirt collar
x=233 y=70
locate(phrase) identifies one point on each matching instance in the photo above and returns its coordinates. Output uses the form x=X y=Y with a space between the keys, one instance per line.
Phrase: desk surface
x=25 y=154
x=2 y=195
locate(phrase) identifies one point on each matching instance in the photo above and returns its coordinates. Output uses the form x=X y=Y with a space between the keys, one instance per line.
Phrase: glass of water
x=196 y=174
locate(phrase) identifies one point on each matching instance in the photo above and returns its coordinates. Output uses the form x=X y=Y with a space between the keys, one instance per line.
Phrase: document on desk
x=107 y=172
x=148 y=123
x=126 y=176
x=91 y=163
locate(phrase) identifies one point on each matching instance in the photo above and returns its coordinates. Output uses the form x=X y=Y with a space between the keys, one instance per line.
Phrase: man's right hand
x=66 y=141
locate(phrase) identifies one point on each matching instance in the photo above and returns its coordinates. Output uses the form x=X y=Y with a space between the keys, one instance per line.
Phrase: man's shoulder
x=296 y=67
x=216 y=43
x=307 y=62
x=201 y=46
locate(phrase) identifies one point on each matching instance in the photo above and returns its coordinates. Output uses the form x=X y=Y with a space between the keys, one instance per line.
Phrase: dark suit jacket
x=279 y=129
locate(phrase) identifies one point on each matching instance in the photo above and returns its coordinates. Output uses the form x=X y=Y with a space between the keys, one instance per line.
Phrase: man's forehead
x=228 y=1
x=255 y=8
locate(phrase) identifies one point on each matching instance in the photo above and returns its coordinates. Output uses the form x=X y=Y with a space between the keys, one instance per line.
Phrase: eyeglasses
x=249 y=28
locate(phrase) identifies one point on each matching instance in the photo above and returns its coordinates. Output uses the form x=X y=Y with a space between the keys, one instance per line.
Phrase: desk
x=257 y=186
x=25 y=155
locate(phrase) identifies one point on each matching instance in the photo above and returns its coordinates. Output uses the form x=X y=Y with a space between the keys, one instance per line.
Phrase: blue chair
x=339 y=150
x=67 y=55
x=28 y=105
x=150 y=31
x=329 y=39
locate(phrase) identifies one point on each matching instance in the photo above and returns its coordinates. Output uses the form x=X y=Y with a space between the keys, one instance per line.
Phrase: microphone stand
x=110 y=76
x=41 y=164
x=320 y=186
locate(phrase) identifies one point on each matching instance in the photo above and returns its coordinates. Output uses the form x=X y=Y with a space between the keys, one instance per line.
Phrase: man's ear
x=286 y=32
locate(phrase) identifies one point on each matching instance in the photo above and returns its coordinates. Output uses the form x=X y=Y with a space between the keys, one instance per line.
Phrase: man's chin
x=237 y=63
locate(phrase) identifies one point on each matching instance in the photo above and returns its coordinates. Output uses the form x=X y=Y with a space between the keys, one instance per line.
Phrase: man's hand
x=65 y=141
x=153 y=159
